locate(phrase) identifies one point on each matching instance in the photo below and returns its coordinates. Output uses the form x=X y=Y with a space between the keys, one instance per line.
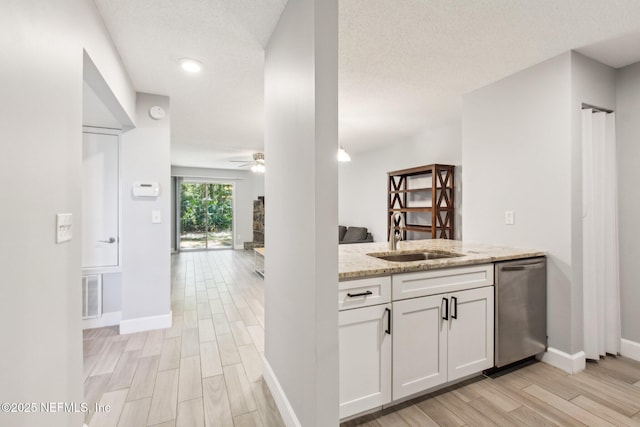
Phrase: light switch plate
x=64 y=227
x=509 y=217
x=156 y=217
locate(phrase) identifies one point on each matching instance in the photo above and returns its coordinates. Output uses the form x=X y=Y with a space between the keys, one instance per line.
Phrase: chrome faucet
x=395 y=232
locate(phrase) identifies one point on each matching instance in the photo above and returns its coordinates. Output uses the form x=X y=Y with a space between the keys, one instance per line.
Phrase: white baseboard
x=107 y=319
x=630 y=349
x=288 y=415
x=570 y=363
x=141 y=324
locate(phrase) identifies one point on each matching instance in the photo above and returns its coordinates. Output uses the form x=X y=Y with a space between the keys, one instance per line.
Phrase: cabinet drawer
x=364 y=292
x=412 y=285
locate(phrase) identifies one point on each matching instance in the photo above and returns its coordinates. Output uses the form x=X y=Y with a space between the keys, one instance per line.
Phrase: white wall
x=301 y=262
x=146 y=247
x=111 y=293
x=363 y=181
x=521 y=147
x=102 y=53
x=516 y=151
x=247 y=187
x=41 y=122
x=628 y=135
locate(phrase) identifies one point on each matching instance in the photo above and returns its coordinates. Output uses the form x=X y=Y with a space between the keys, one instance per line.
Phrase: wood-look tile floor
x=605 y=394
x=206 y=370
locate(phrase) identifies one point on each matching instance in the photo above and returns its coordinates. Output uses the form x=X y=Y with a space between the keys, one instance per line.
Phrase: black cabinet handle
x=361 y=294
x=388 y=311
x=454 y=307
x=446 y=309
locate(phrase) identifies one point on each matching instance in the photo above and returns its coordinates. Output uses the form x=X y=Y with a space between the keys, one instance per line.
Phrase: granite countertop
x=354 y=262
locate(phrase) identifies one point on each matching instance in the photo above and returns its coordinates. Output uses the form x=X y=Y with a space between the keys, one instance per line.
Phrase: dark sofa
x=353 y=235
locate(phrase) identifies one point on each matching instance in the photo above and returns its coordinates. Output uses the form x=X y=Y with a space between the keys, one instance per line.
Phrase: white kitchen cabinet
x=441 y=338
x=365 y=358
x=441 y=281
x=470 y=333
x=419 y=345
x=364 y=292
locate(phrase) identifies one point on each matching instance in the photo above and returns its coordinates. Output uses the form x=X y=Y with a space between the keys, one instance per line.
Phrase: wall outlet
x=156 y=217
x=64 y=229
x=509 y=217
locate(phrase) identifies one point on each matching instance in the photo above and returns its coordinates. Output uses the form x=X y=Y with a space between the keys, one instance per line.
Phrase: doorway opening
x=206 y=216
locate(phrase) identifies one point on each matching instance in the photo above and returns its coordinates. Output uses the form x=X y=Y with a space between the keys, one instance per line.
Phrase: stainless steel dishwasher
x=520 y=309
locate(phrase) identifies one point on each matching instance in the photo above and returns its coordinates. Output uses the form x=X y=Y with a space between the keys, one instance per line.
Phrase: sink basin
x=413 y=256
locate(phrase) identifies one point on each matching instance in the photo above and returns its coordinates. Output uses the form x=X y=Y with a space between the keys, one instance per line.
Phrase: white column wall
x=41 y=122
x=628 y=135
x=146 y=247
x=301 y=261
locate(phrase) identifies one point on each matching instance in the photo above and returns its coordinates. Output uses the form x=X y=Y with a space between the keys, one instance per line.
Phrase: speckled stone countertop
x=354 y=263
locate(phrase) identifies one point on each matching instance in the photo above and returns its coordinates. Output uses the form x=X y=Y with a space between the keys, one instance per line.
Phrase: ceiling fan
x=257 y=164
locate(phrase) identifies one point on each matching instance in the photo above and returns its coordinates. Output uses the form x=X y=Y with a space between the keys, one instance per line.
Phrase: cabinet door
x=365 y=359
x=419 y=345
x=470 y=333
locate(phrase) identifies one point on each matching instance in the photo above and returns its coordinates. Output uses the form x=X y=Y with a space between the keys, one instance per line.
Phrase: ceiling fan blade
x=246 y=164
x=239 y=161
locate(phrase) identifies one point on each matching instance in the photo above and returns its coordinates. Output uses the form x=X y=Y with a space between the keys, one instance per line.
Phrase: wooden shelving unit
x=424 y=196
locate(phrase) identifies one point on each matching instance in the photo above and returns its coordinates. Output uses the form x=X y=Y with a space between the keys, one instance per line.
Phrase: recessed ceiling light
x=343 y=156
x=191 y=65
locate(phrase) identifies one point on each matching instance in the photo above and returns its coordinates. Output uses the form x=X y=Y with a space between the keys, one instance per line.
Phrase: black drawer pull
x=388 y=331
x=362 y=294
x=454 y=307
x=446 y=309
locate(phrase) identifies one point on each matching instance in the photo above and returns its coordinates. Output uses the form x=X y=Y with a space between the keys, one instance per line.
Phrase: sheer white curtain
x=601 y=284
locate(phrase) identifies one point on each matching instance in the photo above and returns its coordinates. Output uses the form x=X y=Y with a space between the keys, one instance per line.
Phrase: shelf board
x=416 y=190
x=419 y=228
x=421 y=209
x=421 y=170
x=411 y=190
x=422 y=228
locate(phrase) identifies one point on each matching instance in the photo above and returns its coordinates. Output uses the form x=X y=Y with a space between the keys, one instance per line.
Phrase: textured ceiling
x=218 y=113
x=403 y=63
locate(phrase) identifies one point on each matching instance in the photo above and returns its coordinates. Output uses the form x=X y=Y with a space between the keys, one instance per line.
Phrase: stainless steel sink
x=413 y=256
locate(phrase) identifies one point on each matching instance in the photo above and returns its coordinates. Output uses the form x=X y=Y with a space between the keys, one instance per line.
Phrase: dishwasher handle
x=535 y=266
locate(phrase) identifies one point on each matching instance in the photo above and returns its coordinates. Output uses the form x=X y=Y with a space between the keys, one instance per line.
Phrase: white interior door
x=601 y=281
x=100 y=171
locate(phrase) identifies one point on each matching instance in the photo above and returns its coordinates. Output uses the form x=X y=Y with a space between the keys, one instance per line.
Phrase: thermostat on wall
x=146 y=189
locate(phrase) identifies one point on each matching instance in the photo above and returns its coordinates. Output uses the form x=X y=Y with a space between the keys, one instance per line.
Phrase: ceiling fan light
x=343 y=156
x=258 y=168
x=191 y=65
